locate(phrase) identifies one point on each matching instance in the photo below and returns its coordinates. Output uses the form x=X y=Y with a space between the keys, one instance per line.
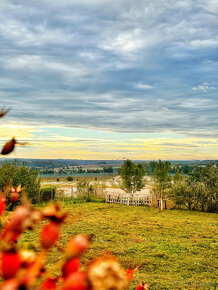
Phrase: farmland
x=175 y=249
x=111 y=184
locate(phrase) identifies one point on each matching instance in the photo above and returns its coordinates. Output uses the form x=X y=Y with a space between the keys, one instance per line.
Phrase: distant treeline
x=149 y=169
x=174 y=168
x=79 y=170
x=63 y=163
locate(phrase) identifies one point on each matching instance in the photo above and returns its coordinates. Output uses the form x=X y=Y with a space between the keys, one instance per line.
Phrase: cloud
x=79 y=144
x=206 y=60
x=20 y=131
x=122 y=66
x=205 y=87
x=143 y=86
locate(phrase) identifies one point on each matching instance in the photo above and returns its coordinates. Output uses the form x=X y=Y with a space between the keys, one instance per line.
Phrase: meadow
x=175 y=249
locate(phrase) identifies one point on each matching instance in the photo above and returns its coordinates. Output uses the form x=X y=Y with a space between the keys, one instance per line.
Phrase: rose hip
x=14 y=196
x=139 y=287
x=2 y=204
x=70 y=267
x=49 y=235
x=49 y=284
x=76 y=281
x=10 y=265
x=77 y=245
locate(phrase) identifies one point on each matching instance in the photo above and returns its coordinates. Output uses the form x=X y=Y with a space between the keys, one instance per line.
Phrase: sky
x=106 y=79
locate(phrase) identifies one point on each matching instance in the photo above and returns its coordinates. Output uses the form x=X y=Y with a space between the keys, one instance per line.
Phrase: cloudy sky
x=106 y=79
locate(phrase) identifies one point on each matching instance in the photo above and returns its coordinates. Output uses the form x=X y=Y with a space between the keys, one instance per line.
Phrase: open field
x=176 y=249
x=112 y=185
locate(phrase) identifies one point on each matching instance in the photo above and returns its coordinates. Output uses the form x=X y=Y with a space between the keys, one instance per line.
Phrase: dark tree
x=132 y=176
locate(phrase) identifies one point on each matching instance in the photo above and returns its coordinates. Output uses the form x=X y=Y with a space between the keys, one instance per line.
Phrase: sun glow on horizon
x=50 y=142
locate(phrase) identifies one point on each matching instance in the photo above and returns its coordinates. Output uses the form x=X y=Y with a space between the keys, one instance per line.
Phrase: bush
x=15 y=174
x=199 y=190
x=90 y=192
x=47 y=193
x=69 y=178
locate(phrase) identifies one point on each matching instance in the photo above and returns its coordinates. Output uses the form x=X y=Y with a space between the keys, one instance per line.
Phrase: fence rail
x=142 y=200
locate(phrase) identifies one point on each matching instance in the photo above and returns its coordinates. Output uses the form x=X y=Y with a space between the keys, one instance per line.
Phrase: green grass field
x=175 y=249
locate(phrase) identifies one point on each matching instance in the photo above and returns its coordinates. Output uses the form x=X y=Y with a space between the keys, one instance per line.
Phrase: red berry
x=76 y=281
x=2 y=204
x=70 y=267
x=10 y=265
x=14 y=196
x=19 y=218
x=49 y=235
x=77 y=245
x=49 y=284
x=16 y=225
x=142 y=286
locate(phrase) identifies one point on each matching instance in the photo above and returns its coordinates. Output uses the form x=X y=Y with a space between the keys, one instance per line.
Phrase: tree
x=199 y=189
x=149 y=167
x=210 y=179
x=15 y=174
x=108 y=169
x=132 y=176
x=178 y=176
x=162 y=179
x=189 y=194
x=196 y=174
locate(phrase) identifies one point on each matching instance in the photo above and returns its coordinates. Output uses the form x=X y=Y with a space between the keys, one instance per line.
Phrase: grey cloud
x=130 y=66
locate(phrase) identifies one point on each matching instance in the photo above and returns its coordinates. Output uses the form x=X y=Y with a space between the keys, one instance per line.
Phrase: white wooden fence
x=145 y=200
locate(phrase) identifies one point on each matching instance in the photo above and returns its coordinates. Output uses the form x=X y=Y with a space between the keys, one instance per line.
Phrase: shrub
x=47 y=193
x=15 y=174
x=69 y=178
x=85 y=190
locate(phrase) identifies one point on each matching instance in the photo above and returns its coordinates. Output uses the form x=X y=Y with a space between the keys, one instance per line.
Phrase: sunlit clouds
x=45 y=142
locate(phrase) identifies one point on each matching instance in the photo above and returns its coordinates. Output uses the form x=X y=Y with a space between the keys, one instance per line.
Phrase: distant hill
x=57 y=163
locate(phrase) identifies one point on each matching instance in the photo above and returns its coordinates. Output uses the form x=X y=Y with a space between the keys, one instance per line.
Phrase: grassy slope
x=174 y=248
